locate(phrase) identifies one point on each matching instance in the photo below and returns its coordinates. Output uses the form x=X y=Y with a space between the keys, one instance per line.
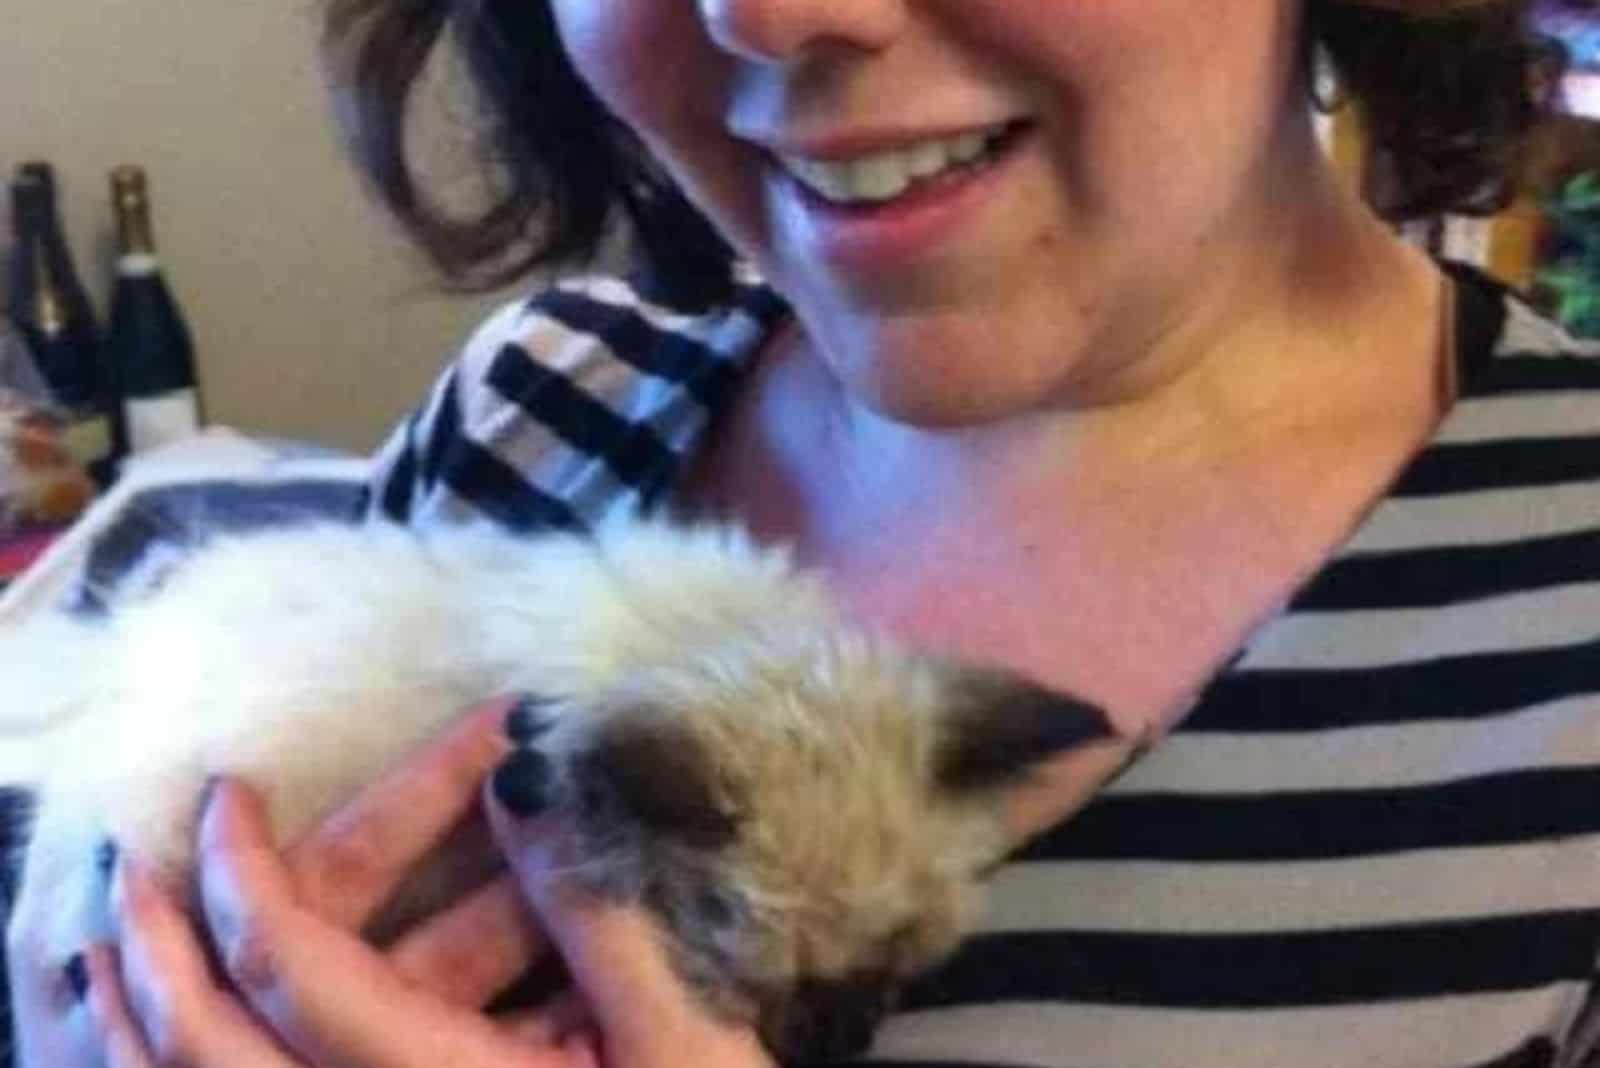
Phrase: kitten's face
x=809 y=837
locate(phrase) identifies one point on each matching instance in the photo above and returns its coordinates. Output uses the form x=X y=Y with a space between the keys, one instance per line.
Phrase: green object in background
x=1573 y=277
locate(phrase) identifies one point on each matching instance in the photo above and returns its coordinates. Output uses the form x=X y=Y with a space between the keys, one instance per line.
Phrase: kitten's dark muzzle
x=830 y=1020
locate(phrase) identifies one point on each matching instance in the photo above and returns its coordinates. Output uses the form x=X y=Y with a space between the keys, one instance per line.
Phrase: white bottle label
x=138 y=264
x=156 y=421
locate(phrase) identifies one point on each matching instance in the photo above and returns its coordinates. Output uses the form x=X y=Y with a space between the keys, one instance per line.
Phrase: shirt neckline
x=1479 y=323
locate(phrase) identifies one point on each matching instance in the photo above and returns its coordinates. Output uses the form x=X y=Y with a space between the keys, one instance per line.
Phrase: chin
x=950 y=399
x=951 y=369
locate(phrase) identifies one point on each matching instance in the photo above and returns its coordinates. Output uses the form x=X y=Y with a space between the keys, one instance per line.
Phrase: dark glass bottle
x=20 y=379
x=148 y=347
x=52 y=312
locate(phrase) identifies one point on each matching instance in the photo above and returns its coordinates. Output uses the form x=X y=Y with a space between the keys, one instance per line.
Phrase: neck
x=1310 y=315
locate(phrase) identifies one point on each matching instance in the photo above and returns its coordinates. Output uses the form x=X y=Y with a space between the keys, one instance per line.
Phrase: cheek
x=653 y=66
x=617 y=46
x=1133 y=103
x=1121 y=33
x=1136 y=60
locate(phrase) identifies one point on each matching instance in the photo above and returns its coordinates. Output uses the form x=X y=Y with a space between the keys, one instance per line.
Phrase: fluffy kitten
x=805 y=808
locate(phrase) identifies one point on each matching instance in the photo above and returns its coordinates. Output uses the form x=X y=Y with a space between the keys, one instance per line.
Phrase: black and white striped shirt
x=1376 y=840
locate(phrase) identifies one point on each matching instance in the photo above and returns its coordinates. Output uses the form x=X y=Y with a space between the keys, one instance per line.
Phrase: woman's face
x=1125 y=147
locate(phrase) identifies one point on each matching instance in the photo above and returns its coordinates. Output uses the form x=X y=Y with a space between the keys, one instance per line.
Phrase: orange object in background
x=41 y=485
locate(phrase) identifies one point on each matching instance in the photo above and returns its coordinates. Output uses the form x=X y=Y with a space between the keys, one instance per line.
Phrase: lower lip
x=874 y=237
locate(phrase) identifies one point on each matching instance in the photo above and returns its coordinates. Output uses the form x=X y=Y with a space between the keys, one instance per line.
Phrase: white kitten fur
x=311 y=695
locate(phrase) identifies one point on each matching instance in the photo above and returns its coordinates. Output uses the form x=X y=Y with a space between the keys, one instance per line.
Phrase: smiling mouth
x=881 y=177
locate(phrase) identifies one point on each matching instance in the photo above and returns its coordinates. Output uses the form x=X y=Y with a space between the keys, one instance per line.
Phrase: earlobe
x=998 y=727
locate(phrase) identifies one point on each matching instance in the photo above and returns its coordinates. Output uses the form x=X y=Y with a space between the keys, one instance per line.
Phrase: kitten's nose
x=833 y=1020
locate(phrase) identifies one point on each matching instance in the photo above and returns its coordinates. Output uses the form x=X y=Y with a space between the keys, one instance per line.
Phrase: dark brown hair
x=1449 y=90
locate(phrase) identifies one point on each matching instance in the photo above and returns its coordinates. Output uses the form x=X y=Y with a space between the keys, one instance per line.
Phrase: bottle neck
x=47 y=302
x=135 y=235
x=38 y=223
x=45 y=285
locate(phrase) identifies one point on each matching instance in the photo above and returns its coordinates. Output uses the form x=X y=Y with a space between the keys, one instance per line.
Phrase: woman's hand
x=641 y=1015
x=295 y=989
x=341 y=873
x=299 y=987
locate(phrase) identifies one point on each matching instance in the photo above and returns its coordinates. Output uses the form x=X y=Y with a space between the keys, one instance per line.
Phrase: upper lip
x=852 y=144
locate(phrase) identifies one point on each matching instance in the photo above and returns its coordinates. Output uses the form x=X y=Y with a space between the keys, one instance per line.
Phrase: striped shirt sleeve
x=441 y=464
x=561 y=409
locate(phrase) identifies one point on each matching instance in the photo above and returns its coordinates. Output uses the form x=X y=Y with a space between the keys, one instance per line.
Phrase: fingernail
x=522 y=783
x=105 y=859
x=77 y=975
x=528 y=719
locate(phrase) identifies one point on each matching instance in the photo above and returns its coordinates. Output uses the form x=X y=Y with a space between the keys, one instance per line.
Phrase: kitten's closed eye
x=652 y=774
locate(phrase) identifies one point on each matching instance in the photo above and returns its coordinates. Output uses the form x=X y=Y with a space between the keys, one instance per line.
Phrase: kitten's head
x=809 y=825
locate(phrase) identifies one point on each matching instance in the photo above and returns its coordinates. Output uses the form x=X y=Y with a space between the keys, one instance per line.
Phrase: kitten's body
x=805 y=808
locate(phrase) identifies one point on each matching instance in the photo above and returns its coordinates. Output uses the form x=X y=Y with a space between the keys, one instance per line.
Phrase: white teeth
x=879 y=177
x=926 y=160
x=969 y=147
x=885 y=175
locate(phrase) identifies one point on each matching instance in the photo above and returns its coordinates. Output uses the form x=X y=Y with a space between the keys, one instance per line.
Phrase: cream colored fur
x=308 y=659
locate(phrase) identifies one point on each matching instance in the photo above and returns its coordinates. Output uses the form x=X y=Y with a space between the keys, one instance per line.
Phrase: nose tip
x=781 y=31
x=833 y=1020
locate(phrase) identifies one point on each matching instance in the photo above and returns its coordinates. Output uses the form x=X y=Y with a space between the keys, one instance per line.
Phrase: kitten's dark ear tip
x=1000 y=726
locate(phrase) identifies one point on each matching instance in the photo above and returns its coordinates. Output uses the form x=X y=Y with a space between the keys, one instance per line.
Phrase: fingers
x=161 y=1005
x=473 y=950
x=120 y=1035
x=563 y=1019
x=330 y=997
x=647 y=1016
x=352 y=863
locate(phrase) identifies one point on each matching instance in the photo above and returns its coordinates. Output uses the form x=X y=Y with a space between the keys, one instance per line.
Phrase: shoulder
x=601 y=332
x=566 y=405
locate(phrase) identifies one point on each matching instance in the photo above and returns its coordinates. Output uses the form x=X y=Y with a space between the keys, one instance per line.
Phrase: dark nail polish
x=77 y=975
x=527 y=720
x=522 y=783
x=105 y=859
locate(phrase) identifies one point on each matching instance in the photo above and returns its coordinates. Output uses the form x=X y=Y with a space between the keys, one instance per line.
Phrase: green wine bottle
x=51 y=310
x=148 y=347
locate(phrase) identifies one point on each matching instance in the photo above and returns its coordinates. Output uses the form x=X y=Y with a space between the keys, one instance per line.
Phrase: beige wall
x=312 y=318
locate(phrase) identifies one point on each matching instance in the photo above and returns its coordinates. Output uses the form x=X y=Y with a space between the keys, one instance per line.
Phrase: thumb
x=614 y=951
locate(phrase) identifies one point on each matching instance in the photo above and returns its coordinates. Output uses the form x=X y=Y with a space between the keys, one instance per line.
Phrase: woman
x=1046 y=332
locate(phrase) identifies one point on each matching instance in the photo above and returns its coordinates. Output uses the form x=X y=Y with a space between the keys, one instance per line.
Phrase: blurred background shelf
x=1580 y=94
x=1576 y=24
x=1546 y=241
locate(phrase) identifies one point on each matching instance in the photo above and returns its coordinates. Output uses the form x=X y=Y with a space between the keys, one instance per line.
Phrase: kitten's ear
x=998 y=727
x=660 y=778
